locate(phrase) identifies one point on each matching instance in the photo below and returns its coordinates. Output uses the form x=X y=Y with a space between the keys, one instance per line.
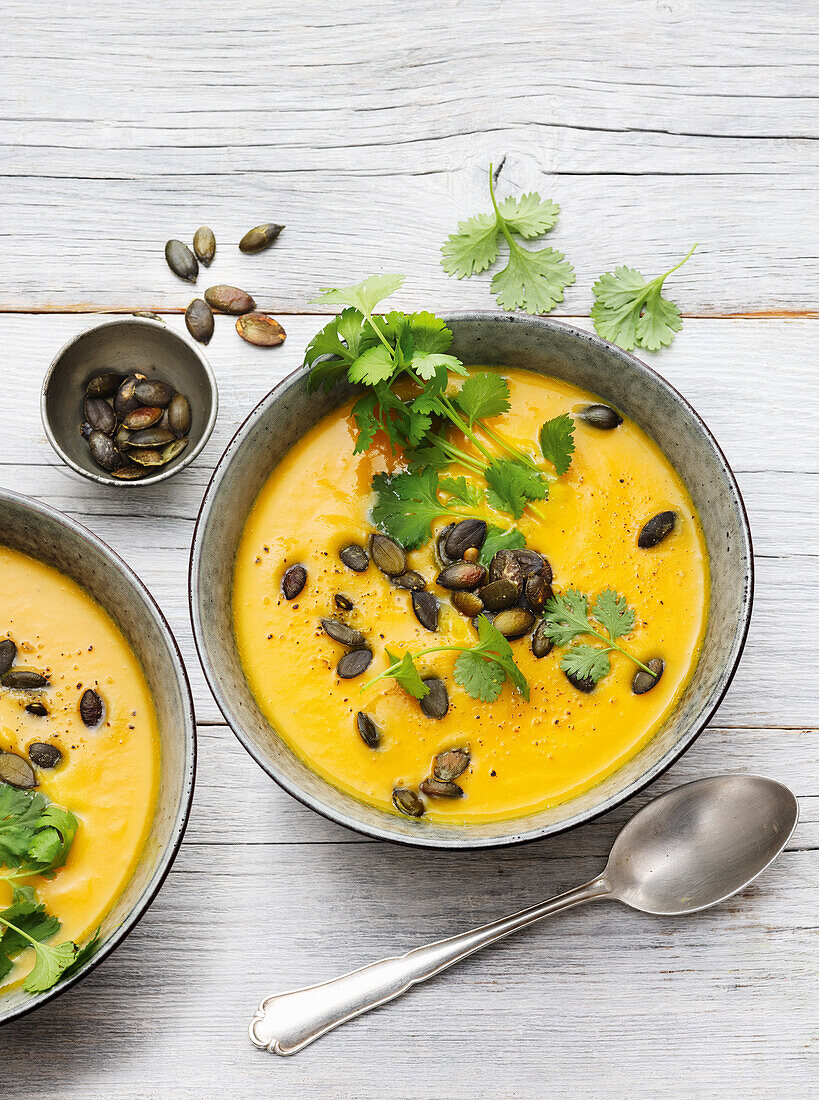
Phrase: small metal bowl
x=125 y=345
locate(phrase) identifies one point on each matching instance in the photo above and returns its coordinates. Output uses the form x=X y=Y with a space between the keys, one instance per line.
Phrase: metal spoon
x=686 y=850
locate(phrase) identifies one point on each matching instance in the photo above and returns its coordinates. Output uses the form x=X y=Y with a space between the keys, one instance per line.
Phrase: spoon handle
x=287 y=1022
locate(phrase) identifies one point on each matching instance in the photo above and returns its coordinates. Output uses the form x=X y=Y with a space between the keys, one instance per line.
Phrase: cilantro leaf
x=498 y=539
x=587 y=662
x=463 y=491
x=49 y=964
x=24 y=924
x=511 y=484
x=492 y=644
x=479 y=676
x=631 y=311
x=429 y=333
x=473 y=248
x=51 y=844
x=426 y=363
x=532 y=280
x=528 y=215
x=19 y=813
x=482 y=396
x=407 y=504
x=364 y=296
x=557 y=442
x=613 y=613
x=404 y=671
x=372 y=366
x=566 y=616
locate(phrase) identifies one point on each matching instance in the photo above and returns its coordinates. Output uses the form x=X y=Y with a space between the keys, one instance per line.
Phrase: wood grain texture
x=368 y=129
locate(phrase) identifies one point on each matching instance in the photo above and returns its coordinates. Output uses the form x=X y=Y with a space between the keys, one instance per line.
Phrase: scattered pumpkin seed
x=425 y=606
x=468 y=603
x=99 y=414
x=179 y=415
x=436 y=703
x=103 y=451
x=354 y=557
x=153 y=392
x=582 y=683
x=515 y=622
x=368 y=730
x=467 y=533
x=229 y=299
x=199 y=320
x=181 y=260
x=342 y=633
x=24 y=679
x=16 y=771
x=462 y=575
x=148 y=456
x=129 y=472
x=260 y=330
x=450 y=764
x=342 y=602
x=643 y=681
x=91 y=708
x=260 y=237
x=542 y=644
x=498 y=595
x=529 y=561
x=407 y=802
x=505 y=566
x=387 y=555
x=440 y=546
x=657 y=528
x=8 y=653
x=104 y=385
x=538 y=591
x=293 y=581
x=603 y=417
x=144 y=416
x=204 y=245
x=44 y=755
x=173 y=450
x=124 y=399
x=437 y=788
x=409 y=579
x=151 y=437
x=355 y=662
x=37 y=709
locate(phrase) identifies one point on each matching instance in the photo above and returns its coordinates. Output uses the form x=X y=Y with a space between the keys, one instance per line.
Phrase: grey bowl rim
x=144 y=903
x=106 y=479
x=458 y=842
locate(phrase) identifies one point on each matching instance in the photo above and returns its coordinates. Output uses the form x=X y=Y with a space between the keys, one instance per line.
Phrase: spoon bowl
x=701 y=843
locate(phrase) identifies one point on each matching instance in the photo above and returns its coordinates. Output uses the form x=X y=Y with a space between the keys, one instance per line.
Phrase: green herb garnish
x=532 y=280
x=481 y=670
x=632 y=312
x=567 y=616
x=35 y=839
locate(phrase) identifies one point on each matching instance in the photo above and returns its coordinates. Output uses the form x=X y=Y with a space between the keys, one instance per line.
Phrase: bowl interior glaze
x=50 y=537
x=125 y=345
x=547 y=347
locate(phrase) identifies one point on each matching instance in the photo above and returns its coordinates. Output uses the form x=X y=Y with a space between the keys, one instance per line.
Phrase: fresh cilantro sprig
x=632 y=312
x=532 y=280
x=567 y=616
x=25 y=923
x=407 y=504
x=481 y=670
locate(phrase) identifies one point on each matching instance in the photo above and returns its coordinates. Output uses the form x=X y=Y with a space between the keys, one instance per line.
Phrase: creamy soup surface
x=108 y=776
x=524 y=755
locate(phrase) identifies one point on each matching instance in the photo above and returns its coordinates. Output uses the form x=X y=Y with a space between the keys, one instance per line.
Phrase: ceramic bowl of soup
x=289 y=494
x=96 y=718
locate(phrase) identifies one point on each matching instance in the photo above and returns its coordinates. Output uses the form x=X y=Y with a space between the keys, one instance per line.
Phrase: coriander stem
x=513 y=245
x=20 y=932
x=613 y=645
x=515 y=452
x=688 y=256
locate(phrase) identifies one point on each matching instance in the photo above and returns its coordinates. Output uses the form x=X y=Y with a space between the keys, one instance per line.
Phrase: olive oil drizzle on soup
x=108 y=775
x=524 y=756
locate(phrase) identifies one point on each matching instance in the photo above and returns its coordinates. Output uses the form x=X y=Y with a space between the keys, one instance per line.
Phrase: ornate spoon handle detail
x=287 y=1022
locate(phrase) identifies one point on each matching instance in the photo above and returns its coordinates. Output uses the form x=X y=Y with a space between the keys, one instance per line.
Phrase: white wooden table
x=367 y=127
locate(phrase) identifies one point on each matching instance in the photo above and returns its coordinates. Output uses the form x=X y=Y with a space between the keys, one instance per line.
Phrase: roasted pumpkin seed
x=199 y=320
x=260 y=330
x=342 y=602
x=388 y=555
x=124 y=399
x=440 y=546
x=468 y=603
x=425 y=606
x=498 y=595
x=342 y=633
x=505 y=566
x=538 y=591
x=260 y=237
x=643 y=681
x=657 y=528
x=515 y=622
x=151 y=437
x=229 y=299
x=435 y=704
x=450 y=764
x=103 y=450
x=582 y=683
x=409 y=579
x=437 y=788
x=181 y=260
x=354 y=557
x=407 y=802
x=99 y=414
x=293 y=581
x=8 y=653
x=368 y=730
x=144 y=416
x=92 y=708
x=129 y=472
x=24 y=679
x=179 y=415
x=462 y=575
x=154 y=392
x=204 y=245
x=104 y=385
x=469 y=532
x=529 y=561
x=148 y=456
x=44 y=755
x=603 y=417
x=37 y=709
x=355 y=662
x=173 y=450
x=542 y=644
x=16 y=771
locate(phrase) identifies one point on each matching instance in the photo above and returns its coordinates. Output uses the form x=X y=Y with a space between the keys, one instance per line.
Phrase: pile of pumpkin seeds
x=256 y=328
x=15 y=769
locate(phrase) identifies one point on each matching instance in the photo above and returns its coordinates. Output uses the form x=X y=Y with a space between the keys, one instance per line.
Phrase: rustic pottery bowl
x=126 y=344
x=49 y=536
x=547 y=347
